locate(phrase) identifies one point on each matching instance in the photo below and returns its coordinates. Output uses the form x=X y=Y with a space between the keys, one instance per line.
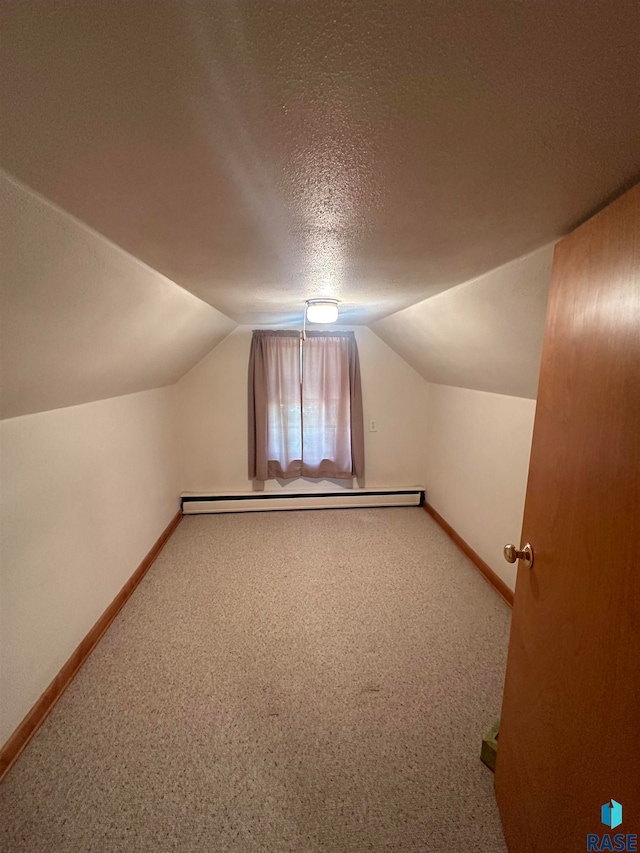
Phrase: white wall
x=484 y=334
x=212 y=417
x=479 y=347
x=478 y=447
x=86 y=491
x=81 y=319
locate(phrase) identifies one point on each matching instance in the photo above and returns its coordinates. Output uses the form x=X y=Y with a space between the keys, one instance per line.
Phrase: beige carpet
x=282 y=681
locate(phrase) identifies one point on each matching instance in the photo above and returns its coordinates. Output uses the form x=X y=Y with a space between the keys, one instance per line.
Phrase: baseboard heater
x=214 y=502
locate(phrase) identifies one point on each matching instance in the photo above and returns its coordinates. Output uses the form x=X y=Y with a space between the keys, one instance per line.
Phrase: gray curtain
x=305 y=406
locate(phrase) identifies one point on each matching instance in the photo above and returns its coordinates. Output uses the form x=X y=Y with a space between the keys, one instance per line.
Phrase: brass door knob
x=511 y=554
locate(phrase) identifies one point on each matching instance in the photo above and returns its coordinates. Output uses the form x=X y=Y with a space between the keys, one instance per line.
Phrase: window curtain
x=305 y=406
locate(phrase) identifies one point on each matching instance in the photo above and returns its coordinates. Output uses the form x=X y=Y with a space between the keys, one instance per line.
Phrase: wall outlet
x=373 y=425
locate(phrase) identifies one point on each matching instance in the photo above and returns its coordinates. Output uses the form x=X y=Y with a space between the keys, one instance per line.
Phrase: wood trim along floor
x=497 y=583
x=37 y=715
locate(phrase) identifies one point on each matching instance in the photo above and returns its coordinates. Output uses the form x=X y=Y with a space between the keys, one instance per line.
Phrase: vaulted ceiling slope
x=258 y=152
x=485 y=334
x=81 y=319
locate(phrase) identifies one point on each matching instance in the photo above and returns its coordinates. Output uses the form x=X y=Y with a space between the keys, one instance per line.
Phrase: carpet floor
x=281 y=681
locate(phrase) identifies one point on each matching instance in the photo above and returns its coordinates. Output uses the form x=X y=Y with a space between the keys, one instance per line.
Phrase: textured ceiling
x=485 y=334
x=261 y=152
x=82 y=320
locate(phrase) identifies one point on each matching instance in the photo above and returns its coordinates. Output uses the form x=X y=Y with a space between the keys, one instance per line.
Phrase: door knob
x=511 y=554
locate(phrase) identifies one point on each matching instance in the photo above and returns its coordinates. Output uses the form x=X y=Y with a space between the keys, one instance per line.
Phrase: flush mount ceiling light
x=322 y=310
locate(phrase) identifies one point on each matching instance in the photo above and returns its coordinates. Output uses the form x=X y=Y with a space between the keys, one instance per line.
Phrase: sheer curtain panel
x=305 y=406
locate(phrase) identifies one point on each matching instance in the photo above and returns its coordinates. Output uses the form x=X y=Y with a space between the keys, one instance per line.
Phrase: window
x=305 y=406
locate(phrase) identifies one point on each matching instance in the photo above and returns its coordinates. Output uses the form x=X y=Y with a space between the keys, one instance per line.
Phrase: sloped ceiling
x=258 y=152
x=485 y=334
x=81 y=319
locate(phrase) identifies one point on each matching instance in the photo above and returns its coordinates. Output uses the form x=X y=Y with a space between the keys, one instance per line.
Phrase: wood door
x=570 y=729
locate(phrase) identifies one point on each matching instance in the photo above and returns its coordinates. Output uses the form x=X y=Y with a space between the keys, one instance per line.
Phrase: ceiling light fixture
x=322 y=310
